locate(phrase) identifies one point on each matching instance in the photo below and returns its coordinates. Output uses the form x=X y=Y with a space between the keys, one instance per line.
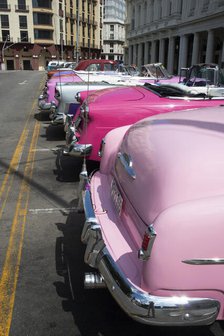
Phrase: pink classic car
x=107 y=109
x=47 y=100
x=154 y=218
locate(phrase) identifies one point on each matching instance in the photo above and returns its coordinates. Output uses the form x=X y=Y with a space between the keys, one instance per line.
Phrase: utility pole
x=77 y=32
x=3 y=50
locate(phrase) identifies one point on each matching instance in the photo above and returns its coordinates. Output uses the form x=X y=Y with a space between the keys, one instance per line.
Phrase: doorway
x=10 y=65
x=27 y=65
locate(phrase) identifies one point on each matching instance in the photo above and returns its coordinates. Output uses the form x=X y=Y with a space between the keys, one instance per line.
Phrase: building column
x=153 y=52
x=210 y=47
x=195 y=52
x=162 y=51
x=141 y=54
x=171 y=50
x=183 y=52
x=135 y=54
x=222 y=56
x=146 y=56
x=130 y=56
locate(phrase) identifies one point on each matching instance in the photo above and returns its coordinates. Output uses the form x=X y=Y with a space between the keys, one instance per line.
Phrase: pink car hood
x=122 y=94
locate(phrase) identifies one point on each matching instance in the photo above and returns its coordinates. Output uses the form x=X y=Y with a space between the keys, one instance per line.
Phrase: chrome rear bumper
x=57 y=118
x=78 y=150
x=45 y=106
x=140 y=305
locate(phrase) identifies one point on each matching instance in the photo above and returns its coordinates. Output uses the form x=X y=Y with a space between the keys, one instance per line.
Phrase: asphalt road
x=40 y=231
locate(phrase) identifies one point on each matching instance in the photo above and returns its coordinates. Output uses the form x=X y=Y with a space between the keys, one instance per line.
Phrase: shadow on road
x=68 y=168
x=94 y=311
x=54 y=132
x=42 y=116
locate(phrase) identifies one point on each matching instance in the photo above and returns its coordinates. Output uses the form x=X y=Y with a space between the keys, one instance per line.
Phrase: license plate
x=116 y=197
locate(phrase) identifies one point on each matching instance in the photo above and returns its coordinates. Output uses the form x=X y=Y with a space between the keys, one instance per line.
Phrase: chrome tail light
x=147 y=243
x=102 y=145
x=78 y=97
x=57 y=94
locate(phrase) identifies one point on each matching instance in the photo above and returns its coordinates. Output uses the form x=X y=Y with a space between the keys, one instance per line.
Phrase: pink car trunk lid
x=174 y=158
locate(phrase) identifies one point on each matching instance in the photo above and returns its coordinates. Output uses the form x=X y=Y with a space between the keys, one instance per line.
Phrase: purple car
x=47 y=101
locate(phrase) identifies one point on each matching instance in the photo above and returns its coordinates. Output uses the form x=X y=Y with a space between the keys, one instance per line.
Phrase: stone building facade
x=34 y=32
x=114 y=15
x=177 y=33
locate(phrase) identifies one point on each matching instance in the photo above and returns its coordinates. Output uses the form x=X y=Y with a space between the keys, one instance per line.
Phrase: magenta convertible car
x=154 y=218
x=107 y=109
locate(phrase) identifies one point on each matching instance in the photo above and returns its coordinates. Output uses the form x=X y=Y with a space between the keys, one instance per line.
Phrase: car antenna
x=83 y=175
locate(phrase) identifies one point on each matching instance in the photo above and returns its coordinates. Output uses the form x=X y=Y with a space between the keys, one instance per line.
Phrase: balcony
x=22 y=8
x=42 y=10
x=9 y=39
x=24 y=40
x=5 y=7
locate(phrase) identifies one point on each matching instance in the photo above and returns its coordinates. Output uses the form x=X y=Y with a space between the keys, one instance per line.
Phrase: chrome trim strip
x=204 y=261
x=127 y=163
x=138 y=304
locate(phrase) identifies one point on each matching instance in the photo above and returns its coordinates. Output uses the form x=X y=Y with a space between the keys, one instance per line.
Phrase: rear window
x=93 y=67
x=109 y=67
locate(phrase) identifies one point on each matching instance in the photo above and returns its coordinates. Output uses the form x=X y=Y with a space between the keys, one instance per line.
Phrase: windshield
x=155 y=70
x=168 y=91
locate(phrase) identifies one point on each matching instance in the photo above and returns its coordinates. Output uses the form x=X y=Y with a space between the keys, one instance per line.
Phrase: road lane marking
x=10 y=273
x=53 y=210
x=24 y=82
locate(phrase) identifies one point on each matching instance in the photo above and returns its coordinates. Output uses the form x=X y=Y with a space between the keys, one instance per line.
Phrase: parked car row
x=154 y=209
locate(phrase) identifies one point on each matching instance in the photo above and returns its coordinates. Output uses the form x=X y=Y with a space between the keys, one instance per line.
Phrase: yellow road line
x=11 y=266
x=14 y=163
x=9 y=177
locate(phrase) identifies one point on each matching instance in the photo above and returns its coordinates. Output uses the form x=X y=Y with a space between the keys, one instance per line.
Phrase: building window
x=42 y=19
x=192 y=8
x=61 y=26
x=5 y=35
x=111 y=36
x=205 y=5
x=22 y=21
x=4 y=21
x=43 y=34
x=24 y=35
x=22 y=4
x=111 y=27
x=42 y=4
x=4 y=4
